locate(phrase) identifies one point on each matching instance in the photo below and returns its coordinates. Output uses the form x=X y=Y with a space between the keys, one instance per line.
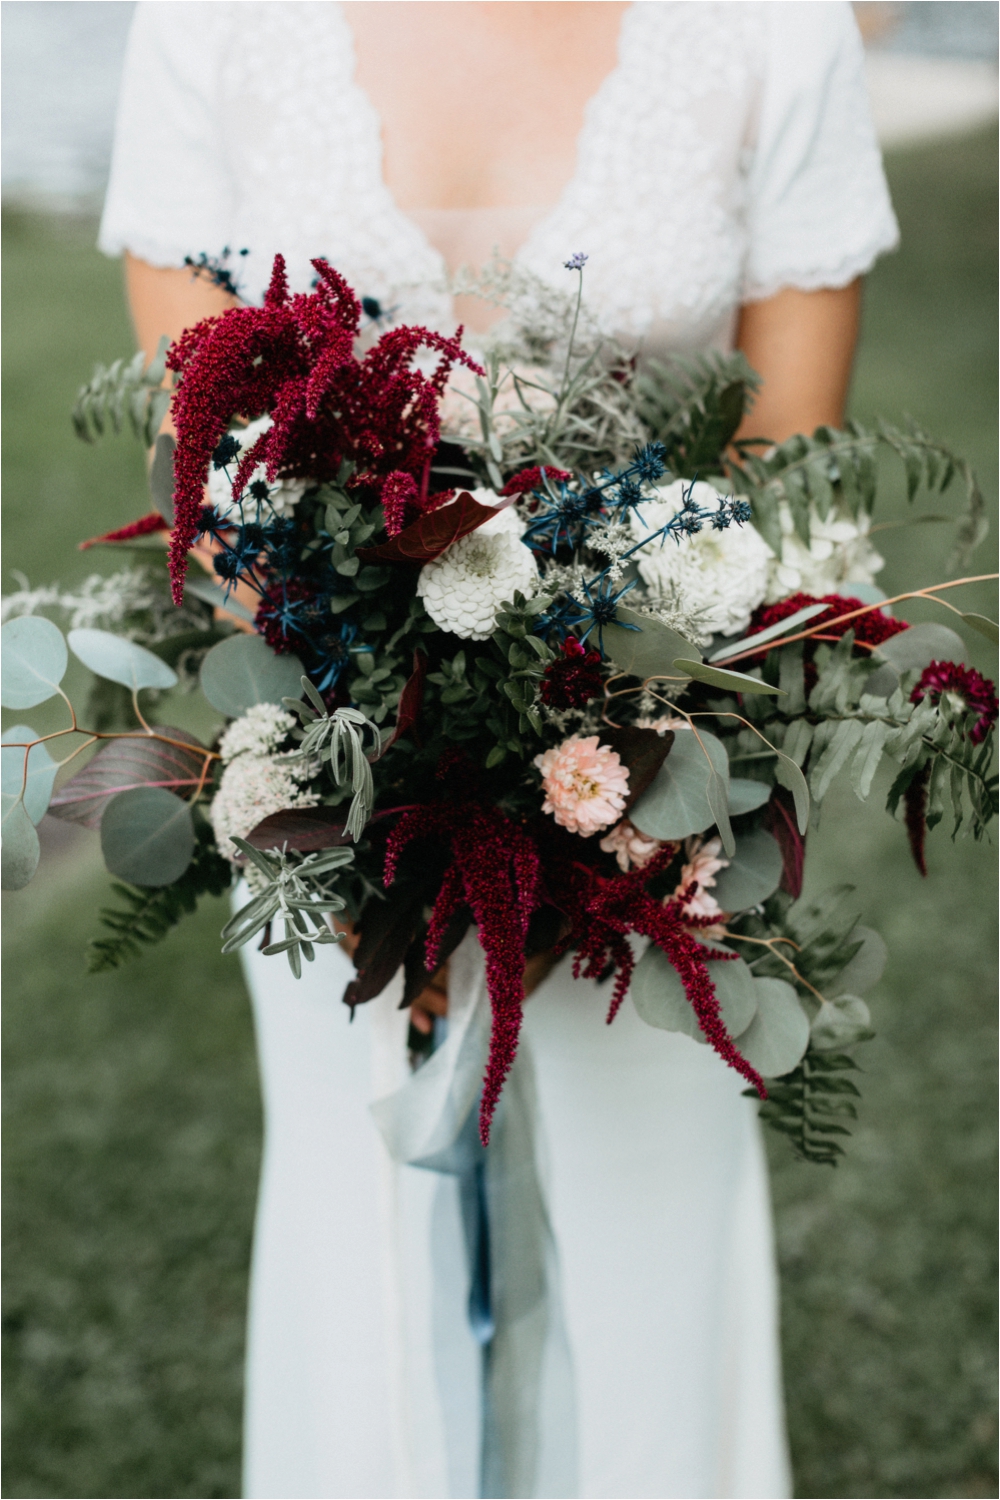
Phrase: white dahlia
x=257 y=732
x=283 y=495
x=839 y=553
x=464 y=587
x=719 y=577
x=252 y=788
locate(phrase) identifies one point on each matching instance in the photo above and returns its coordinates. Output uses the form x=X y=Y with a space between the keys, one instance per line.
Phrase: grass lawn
x=132 y=1114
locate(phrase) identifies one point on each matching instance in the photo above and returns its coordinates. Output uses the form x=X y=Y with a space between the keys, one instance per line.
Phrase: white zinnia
x=257 y=732
x=839 y=553
x=283 y=495
x=252 y=788
x=720 y=577
x=464 y=587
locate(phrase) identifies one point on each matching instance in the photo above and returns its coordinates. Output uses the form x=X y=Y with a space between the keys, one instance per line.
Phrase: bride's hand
x=433 y=998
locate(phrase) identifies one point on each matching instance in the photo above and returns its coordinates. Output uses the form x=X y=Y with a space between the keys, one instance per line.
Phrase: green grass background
x=132 y=1114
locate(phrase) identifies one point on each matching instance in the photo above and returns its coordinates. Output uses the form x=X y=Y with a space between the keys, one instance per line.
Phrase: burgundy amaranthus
x=976 y=692
x=870 y=629
x=526 y=480
x=495 y=871
x=573 y=678
x=294 y=359
x=622 y=905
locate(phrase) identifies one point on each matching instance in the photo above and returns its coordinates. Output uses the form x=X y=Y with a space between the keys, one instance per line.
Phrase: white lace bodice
x=730 y=153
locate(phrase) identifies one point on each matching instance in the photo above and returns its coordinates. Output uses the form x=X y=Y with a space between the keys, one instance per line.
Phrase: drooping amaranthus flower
x=970 y=691
x=495 y=871
x=526 y=480
x=293 y=358
x=616 y=907
x=573 y=678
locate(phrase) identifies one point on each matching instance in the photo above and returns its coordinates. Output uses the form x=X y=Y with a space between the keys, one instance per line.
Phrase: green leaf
x=840 y=1023
x=34 y=661
x=21 y=850
x=243 y=670
x=984 y=625
x=147 y=836
x=733 y=682
x=210 y=593
x=746 y=795
x=845 y=739
x=754 y=872
x=913 y=649
x=678 y=803
x=648 y=651
x=122 y=764
x=866 y=762
x=791 y=777
x=41 y=772
x=161 y=476
x=777 y=1037
x=119 y=660
x=718 y=801
x=772 y=633
x=865 y=968
x=658 y=994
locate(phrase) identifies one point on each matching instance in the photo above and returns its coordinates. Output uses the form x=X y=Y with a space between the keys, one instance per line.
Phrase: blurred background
x=131 y=1105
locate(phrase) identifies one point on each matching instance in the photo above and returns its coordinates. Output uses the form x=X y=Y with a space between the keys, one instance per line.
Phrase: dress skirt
x=589 y=1307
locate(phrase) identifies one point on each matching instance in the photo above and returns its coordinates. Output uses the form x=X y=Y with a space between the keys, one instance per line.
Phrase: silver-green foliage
x=295 y=892
x=123 y=392
x=339 y=740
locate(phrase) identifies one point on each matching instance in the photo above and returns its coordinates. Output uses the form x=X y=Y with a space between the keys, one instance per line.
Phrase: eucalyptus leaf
x=21 y=850
x=865 y=968
x=119 y=660
x=772 y=633
x=658 y=994
x=678 y=803
x=649 y=650
x=732 y=682
x=147 y=836
x=776 y=1040
x=243 y=670
x=718 y=801
x=841 y=1022
x=41 y=771
x=984 y=625
x=754 y=872
x=746 y=795
x=161 y=476
x=910 y=649
x=34 y=661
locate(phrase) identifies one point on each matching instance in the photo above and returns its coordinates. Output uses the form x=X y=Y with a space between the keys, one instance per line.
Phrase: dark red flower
x=572 y=679
x=975 y=692
x=526 y=480
x=870 y=629
x=145 y=526
x=915 y=803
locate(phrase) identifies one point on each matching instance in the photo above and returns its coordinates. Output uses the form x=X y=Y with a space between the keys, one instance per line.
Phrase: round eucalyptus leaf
x=777 y=1037
x=34 y=661
x=659 y=997
x=754 y=872
x=119 y=660
x=727 y=678
x=865 y=968
x=41 y=771
x=21 y=851
x=147 y=836
x=678 y=801
x=913 y=648
x=243 y=670
x=746 y=795
x=649 y=649
x=840 y=1023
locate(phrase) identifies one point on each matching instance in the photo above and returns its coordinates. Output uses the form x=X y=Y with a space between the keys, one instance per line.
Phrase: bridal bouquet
x=529 y=644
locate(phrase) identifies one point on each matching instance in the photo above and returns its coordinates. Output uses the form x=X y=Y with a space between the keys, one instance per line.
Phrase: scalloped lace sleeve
x=171 y=188
x=818 y=209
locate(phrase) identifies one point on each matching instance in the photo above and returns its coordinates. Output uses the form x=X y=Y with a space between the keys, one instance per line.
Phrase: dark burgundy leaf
x=302 y=828
x=433 y=533
x=643 y=751
x=123 y=764
x=387 y=930
x=410 y=702
x=781 y=821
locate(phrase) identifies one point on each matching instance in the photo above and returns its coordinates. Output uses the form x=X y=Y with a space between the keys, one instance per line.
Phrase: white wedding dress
x=625 y=1339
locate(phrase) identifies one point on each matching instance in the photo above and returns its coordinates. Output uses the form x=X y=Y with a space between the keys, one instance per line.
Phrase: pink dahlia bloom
x=704 y=863
x=629 y=846
x=585 y=784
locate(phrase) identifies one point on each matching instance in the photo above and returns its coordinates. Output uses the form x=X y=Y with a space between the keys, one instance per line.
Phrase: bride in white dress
x=593 y=1311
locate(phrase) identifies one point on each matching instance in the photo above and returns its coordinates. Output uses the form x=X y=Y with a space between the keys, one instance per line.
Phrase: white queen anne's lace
x=257 y=732
x=720 y=577
x=464 y=587
x=252 y=788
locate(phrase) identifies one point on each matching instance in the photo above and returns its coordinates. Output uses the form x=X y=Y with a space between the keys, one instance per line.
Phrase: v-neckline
x=548 y=215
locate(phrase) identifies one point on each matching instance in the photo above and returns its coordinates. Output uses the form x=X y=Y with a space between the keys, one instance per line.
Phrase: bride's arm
x=802 y=344
x=166 y=301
